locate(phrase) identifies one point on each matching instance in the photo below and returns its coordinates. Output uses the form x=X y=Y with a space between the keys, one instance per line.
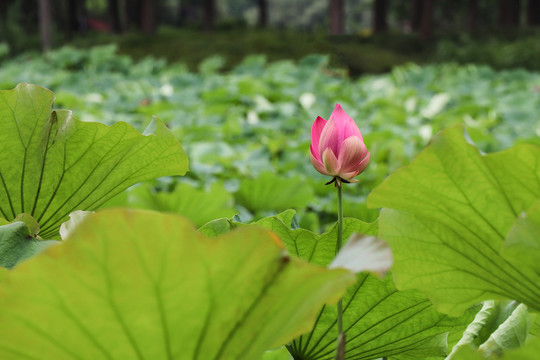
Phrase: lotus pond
x=215 y=238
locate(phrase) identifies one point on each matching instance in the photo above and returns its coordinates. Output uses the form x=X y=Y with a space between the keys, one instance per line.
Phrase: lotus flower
x=337 y=147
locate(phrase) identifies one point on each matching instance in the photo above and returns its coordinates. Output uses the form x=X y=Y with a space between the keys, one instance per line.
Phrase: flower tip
x=341 y=117
x=337 y=110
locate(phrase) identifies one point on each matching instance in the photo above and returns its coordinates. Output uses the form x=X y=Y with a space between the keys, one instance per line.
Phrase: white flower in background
x=307 y=100
x=166 y=90
x=364 y=253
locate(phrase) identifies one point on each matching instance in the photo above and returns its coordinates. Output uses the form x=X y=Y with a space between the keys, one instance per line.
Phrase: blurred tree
x=4 y=6
x=73 y=17
x=447 y=13
x=209 y=10
x=336 y=8
x=427 y=19
x=189 y=13
x=114 y=8
x=45 y=24
x=509 y=11
x=380 y=13
x=533 y=13
x=422 y=17
x=29 y=17
x=263 y=13
x=133 y=14
x=472 y=15
x=148 y=16
x=20 y=24
x=416 y=16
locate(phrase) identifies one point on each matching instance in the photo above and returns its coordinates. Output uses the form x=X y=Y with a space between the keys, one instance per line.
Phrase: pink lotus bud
x=337 y=147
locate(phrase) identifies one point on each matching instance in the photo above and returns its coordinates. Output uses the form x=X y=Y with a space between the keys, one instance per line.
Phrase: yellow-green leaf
x=144 y=285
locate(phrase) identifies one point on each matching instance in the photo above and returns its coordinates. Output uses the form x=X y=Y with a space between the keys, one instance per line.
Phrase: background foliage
x=258 y=116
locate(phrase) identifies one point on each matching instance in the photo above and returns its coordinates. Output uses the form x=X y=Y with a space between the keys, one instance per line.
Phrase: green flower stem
x=340 y=353
x=340 y=219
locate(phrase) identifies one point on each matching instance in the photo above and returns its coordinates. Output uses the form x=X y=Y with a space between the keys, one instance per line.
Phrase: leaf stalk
x=340 y=352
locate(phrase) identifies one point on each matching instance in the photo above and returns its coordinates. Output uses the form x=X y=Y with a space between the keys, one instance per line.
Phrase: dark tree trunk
x=472 y=15
x=133 y=13
x=45 y=24
x=148 y=16
x=83 y=16
x=113 y=7
x=336 y=10
x=122 y=15
x=533 y=13
x=516 y=13
x=426 y=29
x=73 y=16
x=209 y=10
x=380 y=12
x=187 y=12
x=263 y=13
x=71 y=19
x=416 y=16
x=4 y=6
x=509 y=11
x=30 y=15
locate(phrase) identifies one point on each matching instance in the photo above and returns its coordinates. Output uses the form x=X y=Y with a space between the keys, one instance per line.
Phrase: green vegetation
x=498 y=51
x=356 y=53
x=133 y=283
x=359 y=55
x=258 y=117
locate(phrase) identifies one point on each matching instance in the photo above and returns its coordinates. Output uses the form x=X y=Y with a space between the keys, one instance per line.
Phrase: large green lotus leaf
x=133 y=284
x=198 y=205
x=272 y=192
x=535 y=326
x=523 y=240
x=53 y=164
x=451 y=210
x=379 y=320
x=224 y=225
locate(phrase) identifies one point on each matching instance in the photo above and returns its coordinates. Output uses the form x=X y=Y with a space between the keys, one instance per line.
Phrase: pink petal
x=314 y=154
x=352 y=152
x=330 y=162
x=345 y=122
x=316 y=130
x=329 y=138
x=364 y=163
x=349 y=176
x=339 y=127
x=319 y=166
